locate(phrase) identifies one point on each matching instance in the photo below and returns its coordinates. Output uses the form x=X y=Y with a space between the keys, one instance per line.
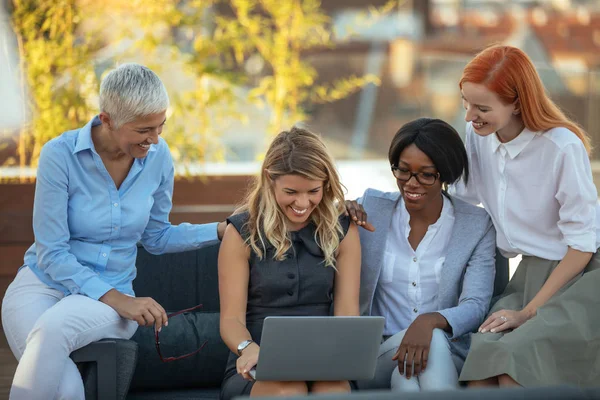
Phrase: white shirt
x=538 y=189
x=409 y=279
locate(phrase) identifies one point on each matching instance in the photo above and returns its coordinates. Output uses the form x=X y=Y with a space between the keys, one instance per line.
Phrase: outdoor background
x=240 y=71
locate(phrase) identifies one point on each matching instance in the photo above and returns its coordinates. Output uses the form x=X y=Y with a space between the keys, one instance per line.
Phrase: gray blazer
x=468 y=271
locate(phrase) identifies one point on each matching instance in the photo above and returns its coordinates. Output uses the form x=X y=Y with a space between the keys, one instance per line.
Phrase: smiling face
x=488 y=114
x=297 y=197
x=418 y=197
x=134 y=138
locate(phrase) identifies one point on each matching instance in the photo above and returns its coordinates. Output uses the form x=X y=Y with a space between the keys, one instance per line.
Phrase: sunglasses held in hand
x=157 y=340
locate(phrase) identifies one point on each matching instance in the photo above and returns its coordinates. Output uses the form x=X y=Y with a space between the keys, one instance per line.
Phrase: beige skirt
x=560 y=345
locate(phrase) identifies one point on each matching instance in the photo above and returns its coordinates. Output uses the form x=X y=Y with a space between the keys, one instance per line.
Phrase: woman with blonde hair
x=530 y=170
x=291 y=251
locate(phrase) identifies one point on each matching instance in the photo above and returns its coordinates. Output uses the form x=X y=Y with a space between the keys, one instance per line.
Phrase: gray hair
x=131 y=91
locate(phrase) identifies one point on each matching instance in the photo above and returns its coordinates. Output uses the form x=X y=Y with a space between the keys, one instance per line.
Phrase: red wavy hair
x=509 y=72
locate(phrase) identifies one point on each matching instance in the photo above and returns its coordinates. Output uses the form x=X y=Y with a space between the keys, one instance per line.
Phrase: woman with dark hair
x=429 y=267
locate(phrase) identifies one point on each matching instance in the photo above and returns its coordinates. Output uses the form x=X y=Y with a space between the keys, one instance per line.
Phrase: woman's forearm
x=346 y=310
x=571 y=265
x=436 y=320
x=346 y=289
x=233 y=332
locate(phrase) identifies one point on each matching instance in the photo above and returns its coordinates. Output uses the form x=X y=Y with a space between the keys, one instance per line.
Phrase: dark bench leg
x=104 y=354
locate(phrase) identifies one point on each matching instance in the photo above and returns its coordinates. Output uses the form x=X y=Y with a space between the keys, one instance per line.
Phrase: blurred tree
x=280 y=32
x=57 y=72
x=229 y=41
x=222 y=54
x=178 y=35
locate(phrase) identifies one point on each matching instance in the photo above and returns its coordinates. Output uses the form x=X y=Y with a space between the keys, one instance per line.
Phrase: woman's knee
x=507 y=380
x=283 y=389
x=439 y=339
x=399 y=383
x=65 y=324
x=330 y=387
x=493 y=381
x=50 y=331
x=438 y=334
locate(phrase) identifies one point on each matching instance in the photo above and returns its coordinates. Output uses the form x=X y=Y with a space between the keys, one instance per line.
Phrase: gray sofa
x=131 y=369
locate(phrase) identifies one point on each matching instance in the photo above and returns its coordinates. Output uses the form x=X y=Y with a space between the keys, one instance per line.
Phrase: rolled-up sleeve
x=160 y=236
x=577 y=197
x=51 y=229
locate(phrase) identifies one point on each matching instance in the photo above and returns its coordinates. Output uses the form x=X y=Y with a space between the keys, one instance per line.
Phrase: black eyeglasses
x=424 y=178
x=157 y=341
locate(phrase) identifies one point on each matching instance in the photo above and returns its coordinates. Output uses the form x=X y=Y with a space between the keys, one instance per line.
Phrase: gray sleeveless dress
x=300 y=285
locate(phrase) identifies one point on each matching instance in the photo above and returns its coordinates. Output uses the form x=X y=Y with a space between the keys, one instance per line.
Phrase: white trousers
x=43 y=327
x=440 y=374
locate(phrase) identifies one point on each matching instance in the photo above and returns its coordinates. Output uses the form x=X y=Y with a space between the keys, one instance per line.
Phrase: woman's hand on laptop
x=248 y=360
x=414 y=347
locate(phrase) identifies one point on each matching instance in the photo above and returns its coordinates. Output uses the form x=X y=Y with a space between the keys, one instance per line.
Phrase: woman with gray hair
x=100 y=189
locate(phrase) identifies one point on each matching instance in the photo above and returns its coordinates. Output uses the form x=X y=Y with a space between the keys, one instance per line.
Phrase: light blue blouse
x=86 y=230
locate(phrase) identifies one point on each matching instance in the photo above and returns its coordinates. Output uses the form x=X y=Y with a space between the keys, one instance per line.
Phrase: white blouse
x=538 y=189
x=409 y=279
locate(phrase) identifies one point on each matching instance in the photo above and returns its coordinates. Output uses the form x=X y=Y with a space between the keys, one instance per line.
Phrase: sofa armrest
x=108 y=368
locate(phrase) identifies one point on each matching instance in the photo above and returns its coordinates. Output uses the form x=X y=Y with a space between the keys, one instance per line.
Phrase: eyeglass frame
x=415 y=174
x=157 y=339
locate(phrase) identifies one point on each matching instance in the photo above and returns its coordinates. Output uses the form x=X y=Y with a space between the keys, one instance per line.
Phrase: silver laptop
x=318 y=348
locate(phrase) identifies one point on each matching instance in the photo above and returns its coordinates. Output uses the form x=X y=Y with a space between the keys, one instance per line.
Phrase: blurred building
x=420 y=61
x=418 y=52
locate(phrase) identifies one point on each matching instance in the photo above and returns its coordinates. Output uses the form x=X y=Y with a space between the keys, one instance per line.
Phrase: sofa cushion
x=185 y=334
x=179 y=280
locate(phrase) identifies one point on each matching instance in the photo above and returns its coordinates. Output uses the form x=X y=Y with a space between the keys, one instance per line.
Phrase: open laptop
x=318 y=348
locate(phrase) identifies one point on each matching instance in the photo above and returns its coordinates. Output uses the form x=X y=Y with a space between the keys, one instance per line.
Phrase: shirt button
x=414 y=284
x=103 y=254
x=291 y=276
x=415 y=259
x=415 y=310
x=116 y=204
x=290 y=292
x=116 y=228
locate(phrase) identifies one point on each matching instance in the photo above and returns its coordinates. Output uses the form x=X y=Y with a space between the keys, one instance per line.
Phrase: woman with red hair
x=531 y=171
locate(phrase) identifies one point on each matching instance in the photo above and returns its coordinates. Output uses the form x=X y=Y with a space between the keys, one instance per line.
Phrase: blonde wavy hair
x=303 y=153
